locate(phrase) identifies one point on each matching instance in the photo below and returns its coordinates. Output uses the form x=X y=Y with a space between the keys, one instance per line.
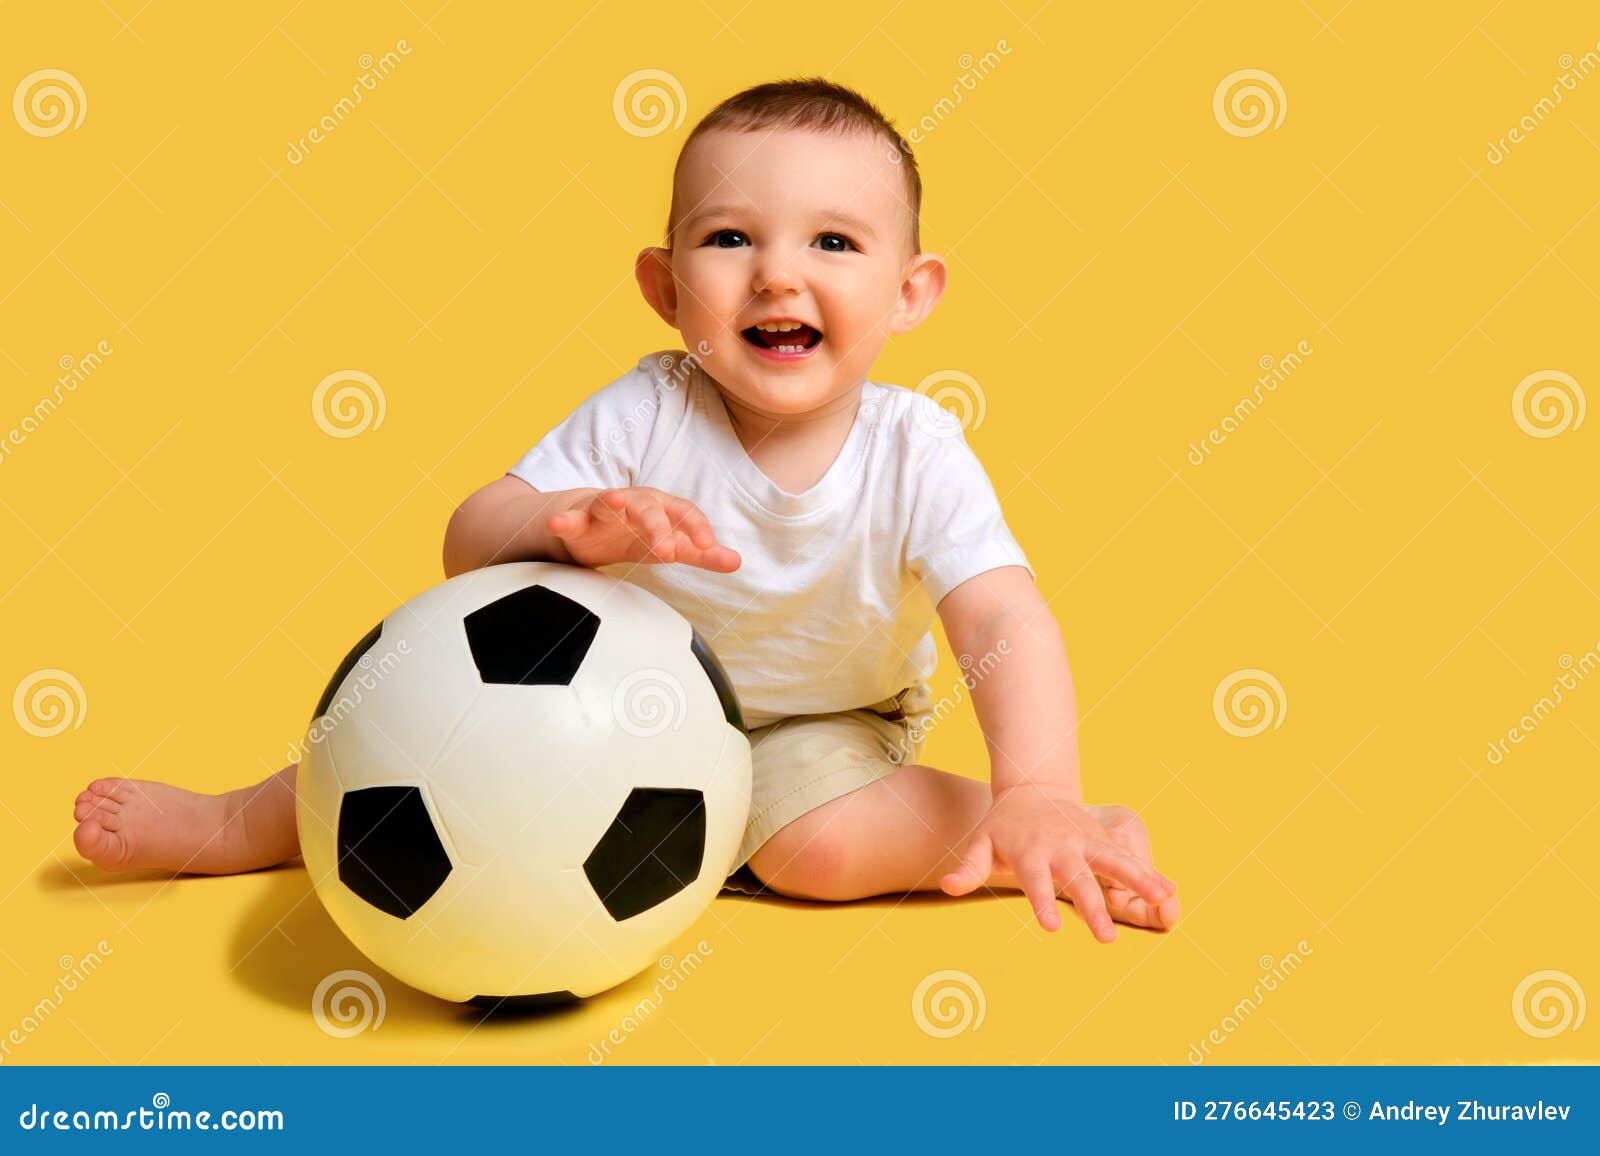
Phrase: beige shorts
x=802 y=762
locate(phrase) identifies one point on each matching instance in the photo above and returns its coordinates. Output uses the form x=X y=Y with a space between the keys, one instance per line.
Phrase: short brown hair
x=809 y=102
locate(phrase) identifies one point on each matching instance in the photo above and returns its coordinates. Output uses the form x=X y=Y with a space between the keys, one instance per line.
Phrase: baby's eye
x=727 y=239
x=834 y=243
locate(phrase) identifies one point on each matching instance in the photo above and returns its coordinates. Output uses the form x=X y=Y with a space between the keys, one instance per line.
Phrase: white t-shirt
x=832 y=605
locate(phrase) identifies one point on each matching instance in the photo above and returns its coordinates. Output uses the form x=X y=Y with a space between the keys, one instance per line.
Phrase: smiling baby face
x=792 y=258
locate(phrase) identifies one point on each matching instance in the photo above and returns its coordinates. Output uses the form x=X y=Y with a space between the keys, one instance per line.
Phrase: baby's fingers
x=713 y=557
x=640 y=516
x=1126 y=907
x=1084 y=890
x=569 y=523
x=1033 y=876
x=609 y=509
x=650 y=519
x=1133 y=873
x=697 y=542
x=687 y=516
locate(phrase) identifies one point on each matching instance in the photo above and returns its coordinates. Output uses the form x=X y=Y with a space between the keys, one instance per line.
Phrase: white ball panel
x=520 y=770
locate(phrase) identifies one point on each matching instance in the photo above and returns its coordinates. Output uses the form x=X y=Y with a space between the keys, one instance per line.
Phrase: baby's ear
x=920 y=291
x=652 y=268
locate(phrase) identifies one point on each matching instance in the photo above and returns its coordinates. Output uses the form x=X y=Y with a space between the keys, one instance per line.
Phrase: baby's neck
x=794 y=450
x=825 y=425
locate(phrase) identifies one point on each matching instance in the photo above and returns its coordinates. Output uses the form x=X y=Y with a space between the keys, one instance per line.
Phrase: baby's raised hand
x=1043 y=836
x=639 y=524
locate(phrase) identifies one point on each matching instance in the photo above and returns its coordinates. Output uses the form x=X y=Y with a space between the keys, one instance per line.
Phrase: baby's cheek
x=701 y=341
x=858 y=339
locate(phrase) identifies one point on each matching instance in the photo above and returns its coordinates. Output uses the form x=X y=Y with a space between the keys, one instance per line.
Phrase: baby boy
x=810 y=523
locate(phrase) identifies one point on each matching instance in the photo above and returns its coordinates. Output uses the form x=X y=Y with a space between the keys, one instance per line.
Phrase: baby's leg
x=901 y=833
x=125 y=824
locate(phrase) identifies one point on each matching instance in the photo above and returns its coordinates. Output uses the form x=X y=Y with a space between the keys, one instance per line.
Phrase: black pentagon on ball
x=345 y=667
x=389 y=852
x=652 y=850
x=533 y=637
x=719 y=680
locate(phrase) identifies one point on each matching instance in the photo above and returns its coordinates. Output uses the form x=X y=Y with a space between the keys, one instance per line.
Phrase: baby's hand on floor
x=1044 y=836
x=640 y=524
x=1128 y=831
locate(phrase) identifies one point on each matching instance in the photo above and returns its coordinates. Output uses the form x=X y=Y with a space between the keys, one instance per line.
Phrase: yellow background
x=1381 y=535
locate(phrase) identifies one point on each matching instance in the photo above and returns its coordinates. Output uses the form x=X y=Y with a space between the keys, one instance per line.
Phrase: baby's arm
x=1003 y=633
x=505 y=521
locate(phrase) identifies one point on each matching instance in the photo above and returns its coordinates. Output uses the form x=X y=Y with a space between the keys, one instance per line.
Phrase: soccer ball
x=522 y=784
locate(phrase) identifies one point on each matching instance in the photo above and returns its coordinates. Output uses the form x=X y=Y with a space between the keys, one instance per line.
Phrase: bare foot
x=128 y=824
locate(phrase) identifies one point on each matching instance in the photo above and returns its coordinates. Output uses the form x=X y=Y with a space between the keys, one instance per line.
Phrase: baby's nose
x=777 y=273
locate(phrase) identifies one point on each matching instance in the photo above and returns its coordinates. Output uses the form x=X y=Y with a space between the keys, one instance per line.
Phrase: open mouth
x=782 y=340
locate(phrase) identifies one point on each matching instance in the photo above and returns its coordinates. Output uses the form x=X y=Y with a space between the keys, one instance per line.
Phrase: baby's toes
x=105 y=849
x=110 y=788
x=113 y=816
x=96 y=806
